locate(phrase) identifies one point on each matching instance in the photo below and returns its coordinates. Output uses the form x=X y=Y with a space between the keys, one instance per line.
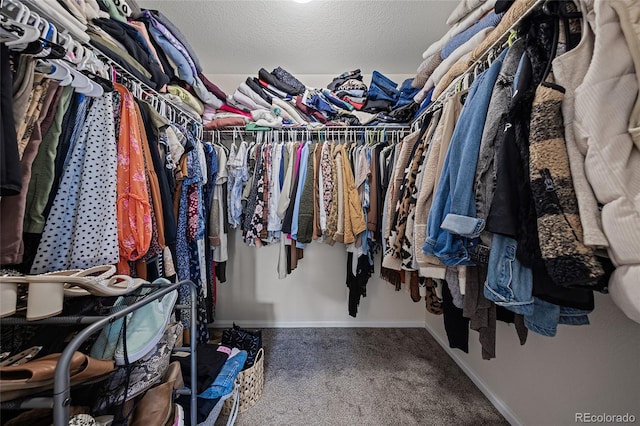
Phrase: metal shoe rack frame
x=61 y=400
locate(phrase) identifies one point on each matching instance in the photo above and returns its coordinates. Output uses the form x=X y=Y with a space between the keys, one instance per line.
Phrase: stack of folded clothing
x=471 y=23
x=280 y=82
x=264 y=102
x=276 y=99
x=390 y=104
x=187 y=69
x=349 y=87
x=149 y=46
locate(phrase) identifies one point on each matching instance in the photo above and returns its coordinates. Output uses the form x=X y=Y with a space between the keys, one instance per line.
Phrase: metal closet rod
x=122 y=72
x=313 y=130
x=147 y=89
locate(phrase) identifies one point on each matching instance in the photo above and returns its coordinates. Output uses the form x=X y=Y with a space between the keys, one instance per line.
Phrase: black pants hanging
x=357 y=283
x=10 y=177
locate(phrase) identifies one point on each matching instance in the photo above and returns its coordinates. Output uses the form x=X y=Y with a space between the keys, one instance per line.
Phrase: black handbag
x=243 y=339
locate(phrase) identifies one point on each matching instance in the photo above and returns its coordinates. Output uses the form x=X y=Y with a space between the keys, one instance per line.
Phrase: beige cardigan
x=604 y=103
x=569 y=70
x=430 y=266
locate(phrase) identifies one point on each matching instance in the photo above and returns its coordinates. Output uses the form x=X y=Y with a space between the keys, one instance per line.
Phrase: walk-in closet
x=319 y=212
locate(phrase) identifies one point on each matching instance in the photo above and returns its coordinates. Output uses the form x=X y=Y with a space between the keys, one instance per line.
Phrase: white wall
x=314 y=295
x=594 y=368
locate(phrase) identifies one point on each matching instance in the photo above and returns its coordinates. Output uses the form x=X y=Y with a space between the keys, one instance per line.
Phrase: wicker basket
x=251 y=382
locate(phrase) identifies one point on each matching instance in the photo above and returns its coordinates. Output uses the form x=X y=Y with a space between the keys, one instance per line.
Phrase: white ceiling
x=320 y=37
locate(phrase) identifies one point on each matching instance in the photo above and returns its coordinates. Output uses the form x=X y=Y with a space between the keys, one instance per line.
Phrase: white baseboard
x=497 y=402
x=318 y=324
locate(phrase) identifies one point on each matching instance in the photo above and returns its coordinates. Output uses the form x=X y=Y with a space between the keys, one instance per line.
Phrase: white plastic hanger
x=19 y=21
x=80 y=82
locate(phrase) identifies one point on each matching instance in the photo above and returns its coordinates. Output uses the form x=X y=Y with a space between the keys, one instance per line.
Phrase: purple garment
x=172 y=39
x=178 y=34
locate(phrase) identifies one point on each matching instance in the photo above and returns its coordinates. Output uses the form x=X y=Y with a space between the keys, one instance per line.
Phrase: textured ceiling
x=320 y=37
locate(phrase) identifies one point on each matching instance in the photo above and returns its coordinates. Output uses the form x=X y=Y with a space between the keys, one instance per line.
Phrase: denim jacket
x=452 y=226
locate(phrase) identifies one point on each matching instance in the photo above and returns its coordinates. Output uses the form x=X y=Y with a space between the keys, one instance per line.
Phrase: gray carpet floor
x=363 y=376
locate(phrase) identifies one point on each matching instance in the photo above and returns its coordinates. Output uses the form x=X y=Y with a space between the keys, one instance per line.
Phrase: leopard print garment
x=82 y=420
x=407 y=202
x=408 y=253
x=332 y=219
x=432 y=301
x=328 y=177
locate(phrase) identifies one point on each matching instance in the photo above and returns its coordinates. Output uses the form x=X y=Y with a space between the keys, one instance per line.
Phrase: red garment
x=356 y=105
x=212 y=87
x=310 y=111
x=229 y=108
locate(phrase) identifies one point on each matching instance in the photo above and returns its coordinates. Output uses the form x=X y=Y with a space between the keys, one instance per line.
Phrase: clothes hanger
x=46 y=33
x=233 y=139
x=41 y=39
x=172 y=114
x=84 y=84
x=106 y=85
x=9 y=32
x=161 y=107
x=81 y=83
x=49 y=40
x=22 y=32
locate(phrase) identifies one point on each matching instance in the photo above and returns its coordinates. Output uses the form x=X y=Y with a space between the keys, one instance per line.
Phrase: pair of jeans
x=452 y=226
x=407 y=92
x=382 y=88
x=509 y=283
x=546 y=316
x=223 y=383
x=320 y=103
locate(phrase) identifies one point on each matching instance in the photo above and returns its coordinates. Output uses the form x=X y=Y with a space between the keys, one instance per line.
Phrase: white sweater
x=603 y=103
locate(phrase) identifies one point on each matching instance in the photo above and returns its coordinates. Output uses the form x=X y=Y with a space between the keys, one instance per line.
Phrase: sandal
x=9 y=281
x=47 y=291
x=37 y=375
x=106 y=277
x=21 y=357
x=33 y=375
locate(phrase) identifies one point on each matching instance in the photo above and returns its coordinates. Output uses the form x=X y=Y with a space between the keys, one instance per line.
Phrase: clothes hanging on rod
x=472 y=42
x=515 y=203
x=291 y=188
x=85 y=200
x=97 y=161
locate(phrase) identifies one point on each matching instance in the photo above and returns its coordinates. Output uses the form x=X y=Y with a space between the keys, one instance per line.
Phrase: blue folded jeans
x=223 y=384
x=509 y=283
x=407 y=92
x=546 y=316
x=379 y=79
x=382 y=88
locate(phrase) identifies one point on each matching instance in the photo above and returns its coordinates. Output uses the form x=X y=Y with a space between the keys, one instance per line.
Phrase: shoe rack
x=60 y=401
